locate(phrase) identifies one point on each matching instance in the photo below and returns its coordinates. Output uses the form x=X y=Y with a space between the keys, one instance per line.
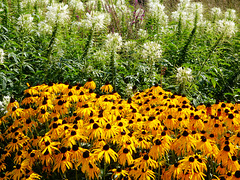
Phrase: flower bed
x=63 y=131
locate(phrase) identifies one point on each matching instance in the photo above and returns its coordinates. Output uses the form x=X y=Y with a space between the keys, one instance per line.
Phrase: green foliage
x=73 y=54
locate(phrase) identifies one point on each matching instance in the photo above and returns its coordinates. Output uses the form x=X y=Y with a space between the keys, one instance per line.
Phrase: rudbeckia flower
x=225 y=154
x=174 y=171
x=236 y=175
x=107 y=87
x=107 y=153
x=118 y=173
x=144 y=162
x=144 y=174
x=90 y=84
x=62 y=160
x=125 y=155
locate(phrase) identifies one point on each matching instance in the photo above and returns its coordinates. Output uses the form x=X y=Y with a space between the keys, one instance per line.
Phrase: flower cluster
x=58 y=127
x=2 y=56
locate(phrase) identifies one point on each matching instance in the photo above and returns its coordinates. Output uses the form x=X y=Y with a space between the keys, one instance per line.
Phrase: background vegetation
x=125 y=43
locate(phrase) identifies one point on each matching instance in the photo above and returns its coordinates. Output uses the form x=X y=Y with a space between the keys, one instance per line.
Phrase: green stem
x=183 y=53
x=208 y=57
x=88 y=44
x=104 y=170
x=50 y=46
x=76 y=174
x=113 y=67
x=6 y=14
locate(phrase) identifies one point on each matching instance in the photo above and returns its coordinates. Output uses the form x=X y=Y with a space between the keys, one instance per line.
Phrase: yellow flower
x=90 y=84
x=107 y=87
x=107 y=153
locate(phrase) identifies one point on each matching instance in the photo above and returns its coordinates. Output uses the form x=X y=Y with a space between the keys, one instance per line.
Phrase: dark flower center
x=60 y=102
x=125 y=150
x=18 y=166
x=185 y=133
x=191 y=159
x=47 y=143
x=237 y=174
x=106 y=147
x=63 y=150
x=158 y=142
x=95 y=126
x=226 y=148
x=75 y=147
x=196 y=117
x=108 y=126
x=234 y=158
x=55 y=125
x=204 y=139
x=146 y=157
x=86 y=154
x=73 y=133
x=176 y=164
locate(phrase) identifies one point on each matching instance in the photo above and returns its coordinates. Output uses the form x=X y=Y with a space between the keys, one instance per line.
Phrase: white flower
x=216 y=12
x=97 y=20
x=230 y=14
x=128 y=90
x=4 y=104
x=58 y=12
x=113 y=42
x=1 y=56
x=44 y=28
x=25 y=21
x=129 y=45
x=26 y=3
x=32 y=3
x=157 y=11
x=187 y=12
x=77 y=5
x=184 y=74
x=100 y=55
x=142 y=33
x=227 y=27
x=151 y=50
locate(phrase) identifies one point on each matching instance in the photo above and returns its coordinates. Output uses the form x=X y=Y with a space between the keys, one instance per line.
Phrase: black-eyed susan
x=159 y=148
x=236 y=175
x=174 y=171
x=205 y=145
x=63 y=161
x=86 y=158
x=221 y=169
x=233 y=164
x=119 y=173
x=144 y=174
x=107 y=153
x=46 y=144
x=110 y=131
x=125 y=156
x=107 y=87
x=224 y=154
x=73 y=136
x=145 y=162
x=90 y=84
x=92 y=171
x=19 y=170
x=15 y=145
x=193 y=164
x=185 y=143
x=95 y=131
